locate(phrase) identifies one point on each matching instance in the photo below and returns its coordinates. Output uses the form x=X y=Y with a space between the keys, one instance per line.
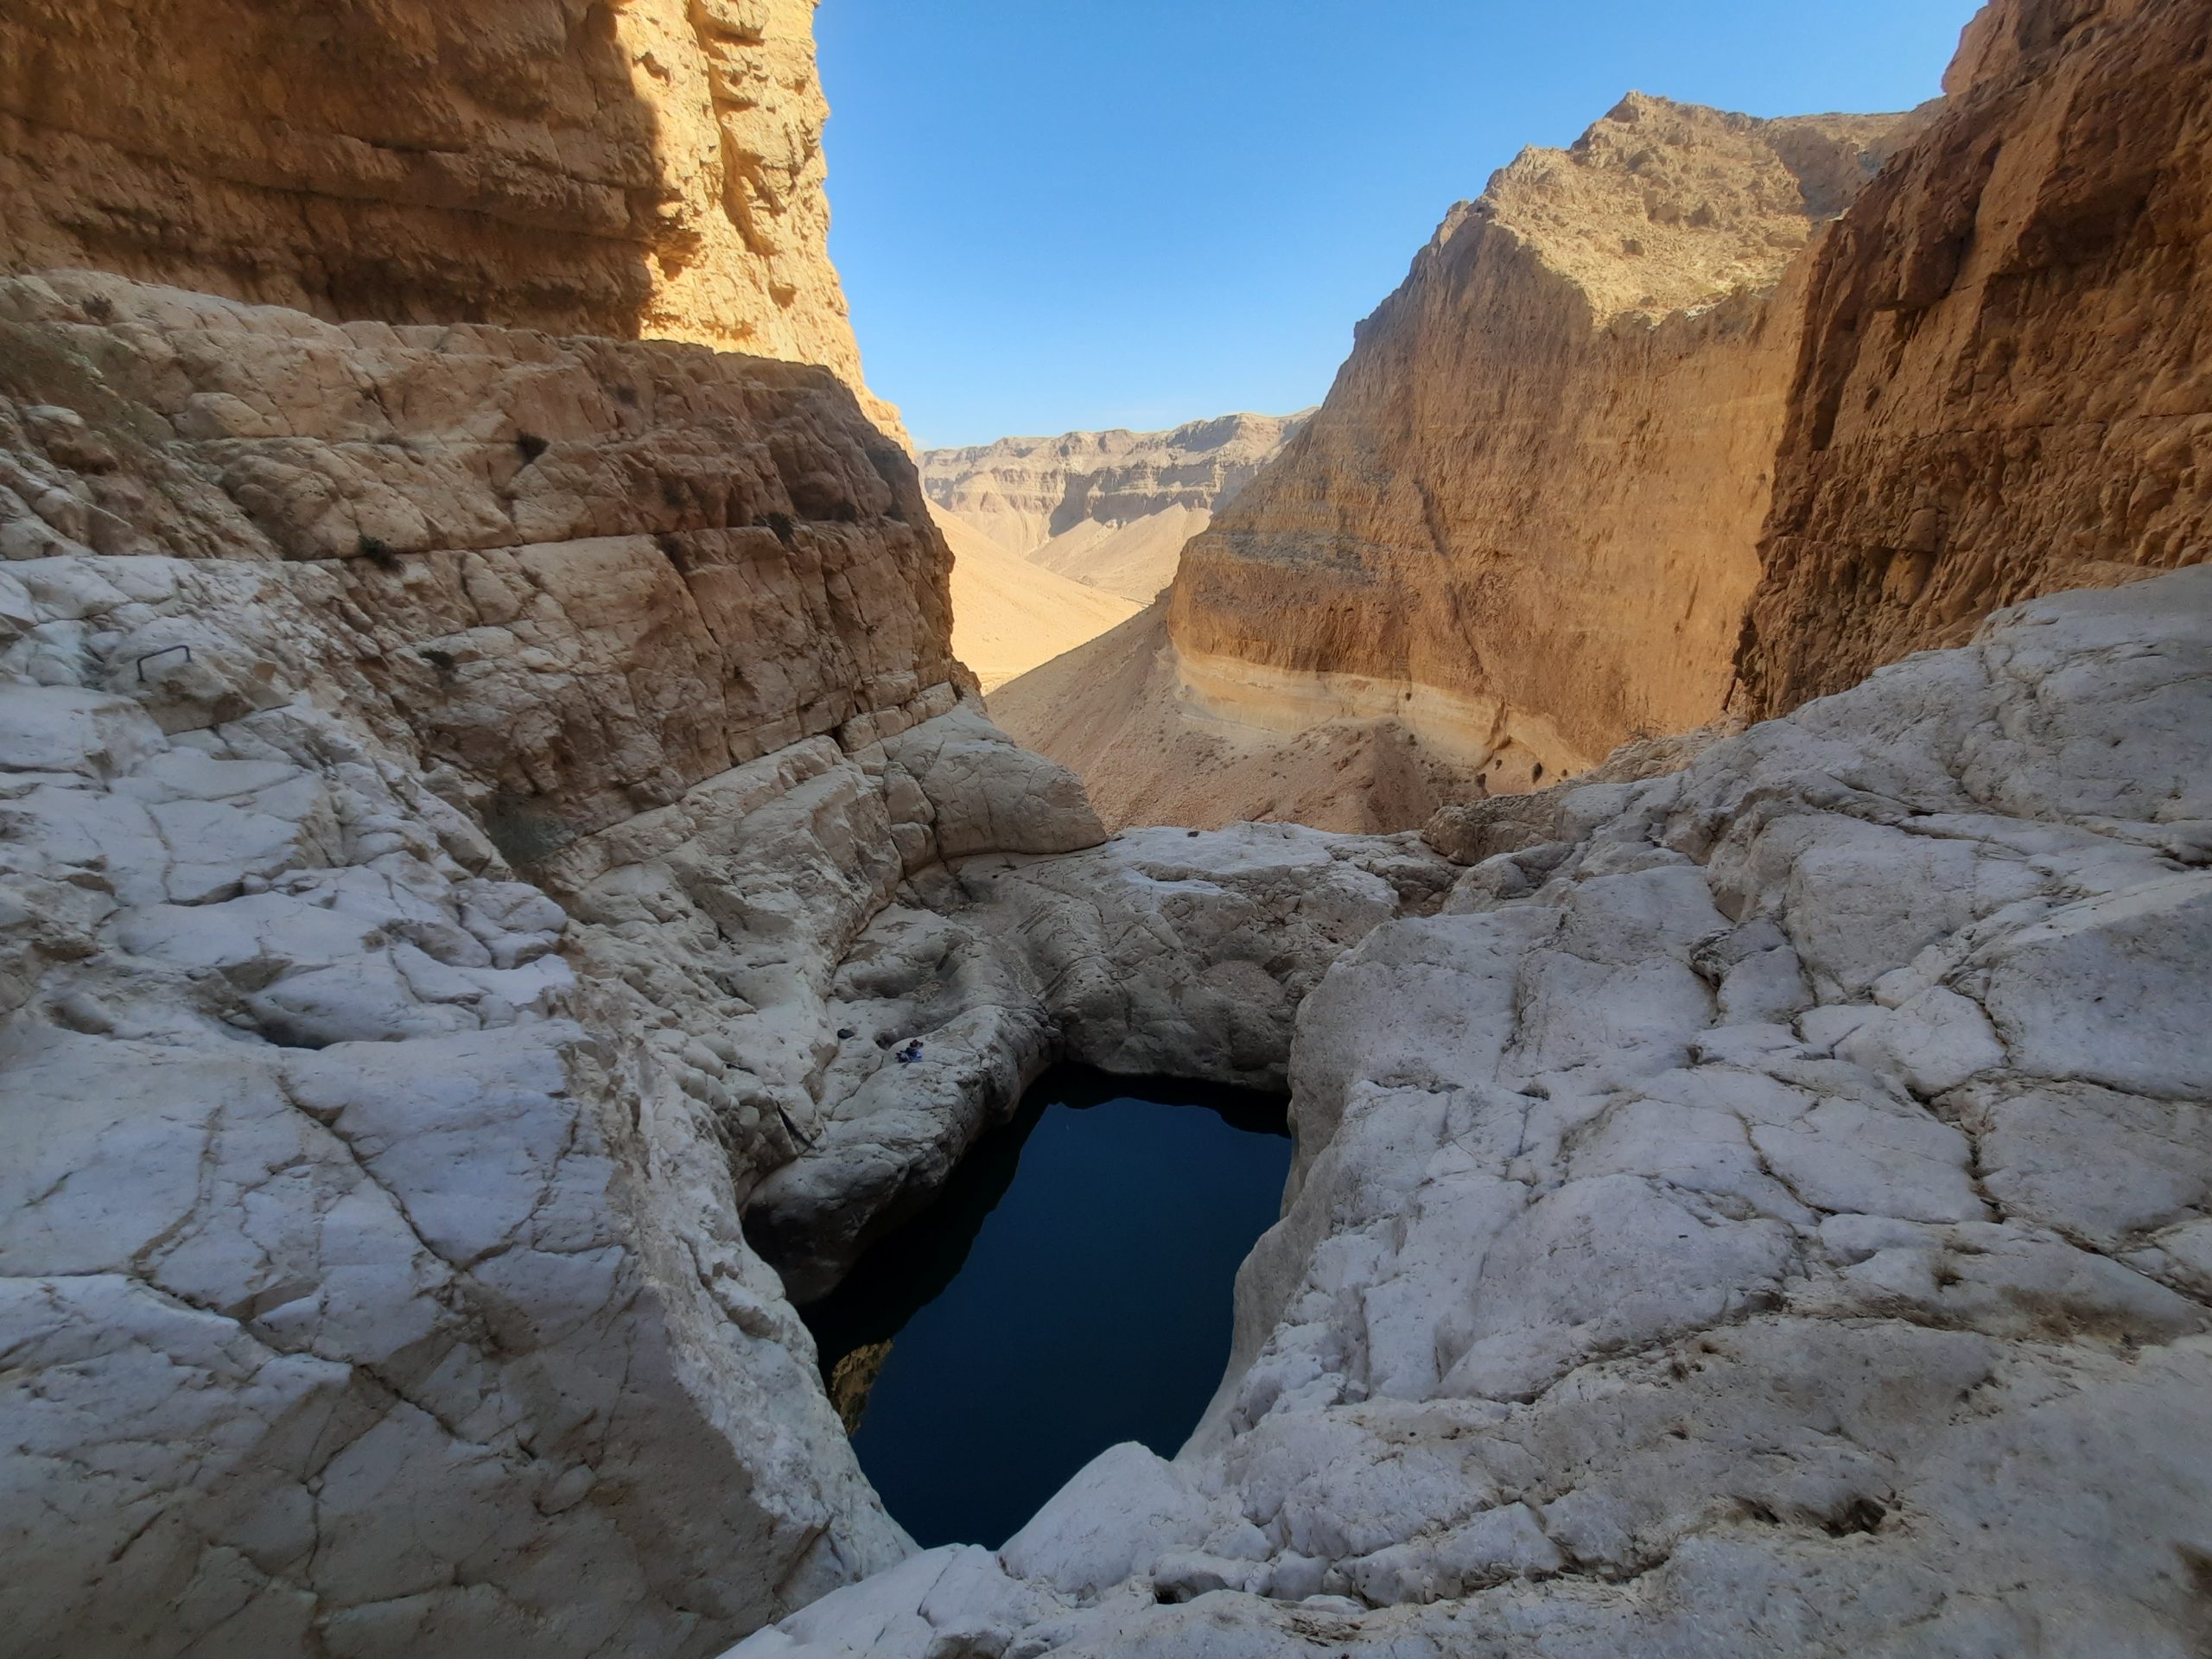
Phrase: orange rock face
x=2006 y=381
x=1535 y=493
x=650 y=168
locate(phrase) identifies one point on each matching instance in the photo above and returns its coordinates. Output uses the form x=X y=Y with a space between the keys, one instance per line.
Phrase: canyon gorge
x=1689 y=424
x=1521 y=530
x=1057 y=541
x=510 y=886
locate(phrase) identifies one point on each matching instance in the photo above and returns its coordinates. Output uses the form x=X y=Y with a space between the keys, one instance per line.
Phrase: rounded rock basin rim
x=1069 y=1289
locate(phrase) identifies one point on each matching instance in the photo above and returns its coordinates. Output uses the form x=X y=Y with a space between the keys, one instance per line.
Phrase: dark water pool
x=1070 y=1289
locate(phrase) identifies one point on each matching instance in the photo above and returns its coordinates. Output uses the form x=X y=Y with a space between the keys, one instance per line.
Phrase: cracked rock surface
x=446 y=882
x=342 y=1305
x=370 y=1276
x=1764 y=1209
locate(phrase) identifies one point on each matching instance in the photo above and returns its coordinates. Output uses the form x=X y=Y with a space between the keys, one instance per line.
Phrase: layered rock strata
x=474 y=805
x=372 y=1267
x=2007 y=380
x=652 y=168
x=1533 y=496
x=1766 y=1205
x=1112 y=509
x=1630 y=443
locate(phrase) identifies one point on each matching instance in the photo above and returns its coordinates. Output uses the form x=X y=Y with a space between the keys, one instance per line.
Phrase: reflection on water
x=991 y=1347
x=852 y=1379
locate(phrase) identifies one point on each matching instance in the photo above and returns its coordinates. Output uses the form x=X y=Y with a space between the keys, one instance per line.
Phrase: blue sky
x=1063 y=214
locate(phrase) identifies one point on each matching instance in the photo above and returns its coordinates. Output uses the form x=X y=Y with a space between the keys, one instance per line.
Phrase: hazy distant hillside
x=1110 y=509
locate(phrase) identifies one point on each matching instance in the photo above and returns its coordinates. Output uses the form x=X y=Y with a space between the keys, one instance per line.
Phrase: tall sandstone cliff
x=1645 y=440
x=1522 y=529
x=2005 y=387
x=646 y=168
x=1531 y=500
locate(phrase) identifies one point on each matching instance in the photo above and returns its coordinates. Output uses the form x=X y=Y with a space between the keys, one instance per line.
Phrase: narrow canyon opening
x=1071 y=1288
x=562 y=861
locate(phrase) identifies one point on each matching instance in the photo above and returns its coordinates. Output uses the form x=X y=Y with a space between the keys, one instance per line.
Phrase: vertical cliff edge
x=1704 y=416
x=651 y=168
x=1522 y=529
x=1526 y=515
x=2006 y=385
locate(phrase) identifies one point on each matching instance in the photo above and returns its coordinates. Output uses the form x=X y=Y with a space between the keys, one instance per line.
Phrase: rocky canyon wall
x=371 y=1271
x=1521 y=530
x=479 y=810
x=1639 y=445
x=2005 y=385
x=1533 y=496
x=476 y=808
x=648 y=168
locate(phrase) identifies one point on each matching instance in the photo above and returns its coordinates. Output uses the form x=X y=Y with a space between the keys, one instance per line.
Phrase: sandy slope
x=1108 y=711
x=1135 y=560
x=1008 y=614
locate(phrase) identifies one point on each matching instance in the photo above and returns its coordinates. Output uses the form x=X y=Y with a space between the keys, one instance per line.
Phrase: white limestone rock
x=1768 y=1213
x=354 y=1293
x=955 y=1600
x=1113 y=1520
x=985 y=793
x=1157 y=952
x=1760 y=1206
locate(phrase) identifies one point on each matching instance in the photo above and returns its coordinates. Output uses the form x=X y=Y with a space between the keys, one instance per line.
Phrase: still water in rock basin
x=1070 y=1289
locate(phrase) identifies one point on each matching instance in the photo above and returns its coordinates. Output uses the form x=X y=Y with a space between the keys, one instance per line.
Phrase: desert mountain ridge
x=1621 y=456
x=1112 y=509
x=1057 y=540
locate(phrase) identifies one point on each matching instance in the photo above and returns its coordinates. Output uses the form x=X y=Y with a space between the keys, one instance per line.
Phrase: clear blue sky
x=1054 y=215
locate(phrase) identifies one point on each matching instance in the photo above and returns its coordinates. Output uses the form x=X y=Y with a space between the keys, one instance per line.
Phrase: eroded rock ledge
x=1768 y=1205
x=371 y=1264
x=469 y=801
